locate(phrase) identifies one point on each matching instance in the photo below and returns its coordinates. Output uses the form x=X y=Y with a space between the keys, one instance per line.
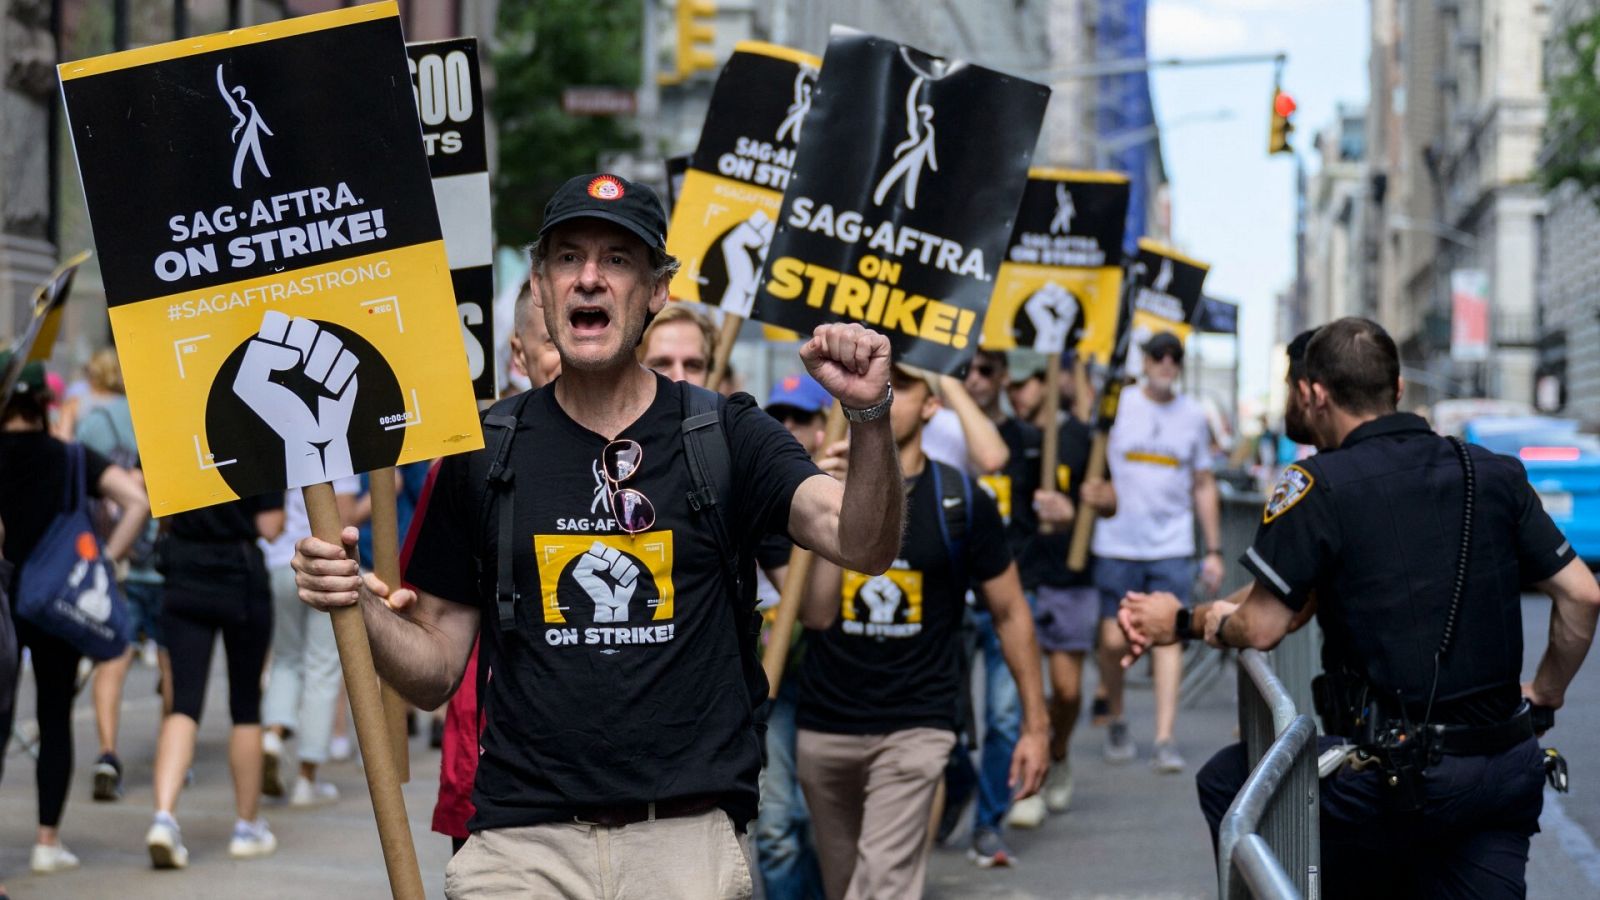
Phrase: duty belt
x=1483 y=740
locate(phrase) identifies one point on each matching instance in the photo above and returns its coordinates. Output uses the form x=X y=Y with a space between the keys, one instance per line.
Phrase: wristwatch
x=874 y=412
x=1183 y=625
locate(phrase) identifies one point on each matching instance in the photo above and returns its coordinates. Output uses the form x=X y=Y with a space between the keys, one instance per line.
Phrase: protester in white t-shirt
x=303 y=680
x=1160 y=458
x=960 y=434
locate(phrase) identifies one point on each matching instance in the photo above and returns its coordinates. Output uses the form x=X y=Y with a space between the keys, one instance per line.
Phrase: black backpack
x=710 y=461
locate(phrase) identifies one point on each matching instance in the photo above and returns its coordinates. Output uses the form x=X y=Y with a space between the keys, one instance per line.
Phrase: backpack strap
x=499 y=486
x=954 y=490
x=710 y=461
x=710 y=472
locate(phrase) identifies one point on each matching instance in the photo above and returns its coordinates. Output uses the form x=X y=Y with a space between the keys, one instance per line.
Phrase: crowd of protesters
x=874 y=741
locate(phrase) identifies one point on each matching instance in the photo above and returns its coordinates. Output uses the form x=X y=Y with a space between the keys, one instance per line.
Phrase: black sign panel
x=449 y=92
x=227 y=165
x=902 y=198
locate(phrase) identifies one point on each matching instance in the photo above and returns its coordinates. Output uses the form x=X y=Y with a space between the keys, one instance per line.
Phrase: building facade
x=1455 y=120
x=1338 y=280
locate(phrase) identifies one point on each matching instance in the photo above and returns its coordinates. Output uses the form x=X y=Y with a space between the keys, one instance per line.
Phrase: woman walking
x=34 y=472
x=216 y=581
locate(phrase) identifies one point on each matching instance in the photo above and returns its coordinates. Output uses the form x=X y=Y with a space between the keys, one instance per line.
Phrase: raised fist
x=851 y=362
x=316 y=441
x=743 y=252
x=611 y=595
x=1053 y=311
x=882 y=597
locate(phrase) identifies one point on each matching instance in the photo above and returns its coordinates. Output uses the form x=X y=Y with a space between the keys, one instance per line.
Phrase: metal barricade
x=1268 y=843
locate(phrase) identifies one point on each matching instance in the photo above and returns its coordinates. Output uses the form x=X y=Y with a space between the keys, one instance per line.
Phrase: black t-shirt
x=1373 y=529
x=890 y=661
x=622 y=682
x=1013 y=486
x=1045 y=561
x=33 y=487
x=225 y=523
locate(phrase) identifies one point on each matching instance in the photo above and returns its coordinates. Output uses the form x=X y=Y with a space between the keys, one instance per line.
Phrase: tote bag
x=67 y=587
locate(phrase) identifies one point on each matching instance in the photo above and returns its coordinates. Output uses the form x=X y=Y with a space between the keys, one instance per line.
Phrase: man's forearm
x=411 y=656
x=986 y=449
x=871 y=513
x=1571 y=633
x=1020 y=647
x=1208 y=509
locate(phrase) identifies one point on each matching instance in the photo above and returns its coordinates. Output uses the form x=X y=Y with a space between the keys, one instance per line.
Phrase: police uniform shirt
x=1045 y=560
x=890 y=659
x=1373 y=530
x=621 y=682
x=1012 y=487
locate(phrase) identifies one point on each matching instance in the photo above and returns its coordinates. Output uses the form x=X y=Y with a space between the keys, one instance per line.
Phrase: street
x=1130 y=833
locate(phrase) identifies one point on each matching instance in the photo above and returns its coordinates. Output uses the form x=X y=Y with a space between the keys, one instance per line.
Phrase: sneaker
x=989 y=850
x=312 y=793
x=166 y=844
x=339 y=748
x=1028 y=812
x=1167 y=760
x=271 y=764
x=48 y=858
x=251 y=840
x=1099 y=712
x=148 y=653
x=108 y=778
x=1058 y=787
x=1119 y=744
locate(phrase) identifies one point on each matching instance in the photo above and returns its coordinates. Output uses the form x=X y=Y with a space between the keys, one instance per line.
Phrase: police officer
x=1412 y=551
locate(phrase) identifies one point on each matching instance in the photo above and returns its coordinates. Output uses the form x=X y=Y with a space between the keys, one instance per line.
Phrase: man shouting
x=620 y=749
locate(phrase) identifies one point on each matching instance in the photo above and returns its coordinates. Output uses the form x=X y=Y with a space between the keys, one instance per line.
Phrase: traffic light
x=1283 y=107
x=695 y=34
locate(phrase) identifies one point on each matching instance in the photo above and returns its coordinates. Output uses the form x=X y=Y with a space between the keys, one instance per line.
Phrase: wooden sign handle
x=1050 y=448
x=386 y=563
x=724 y=350
x=366 y=707
x=795 y=577
x=1083 y=526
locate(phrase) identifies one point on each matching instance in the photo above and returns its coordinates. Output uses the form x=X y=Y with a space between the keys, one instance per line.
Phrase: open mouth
x=589 y=320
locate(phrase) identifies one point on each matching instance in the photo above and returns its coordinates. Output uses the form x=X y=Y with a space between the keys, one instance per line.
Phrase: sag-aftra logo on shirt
x=882 y=606
x=606 y=590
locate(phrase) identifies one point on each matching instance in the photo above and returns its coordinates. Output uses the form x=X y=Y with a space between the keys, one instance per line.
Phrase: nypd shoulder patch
x=1292 y=486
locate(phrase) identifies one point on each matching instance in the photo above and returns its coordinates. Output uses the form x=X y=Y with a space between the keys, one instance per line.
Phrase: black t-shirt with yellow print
x=1013 y=486
x=621 y=682
x=890 y=661
x=1045 y=560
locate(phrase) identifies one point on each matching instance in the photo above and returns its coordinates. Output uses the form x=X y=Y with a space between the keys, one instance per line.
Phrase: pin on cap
x=614 y=199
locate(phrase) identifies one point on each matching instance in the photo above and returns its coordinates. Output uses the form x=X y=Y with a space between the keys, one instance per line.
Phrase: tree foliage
x=546 y=46
x=1572 y=127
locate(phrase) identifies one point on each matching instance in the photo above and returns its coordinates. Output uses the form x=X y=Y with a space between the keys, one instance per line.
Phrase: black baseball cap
x=613 y=198
x=1164 y=343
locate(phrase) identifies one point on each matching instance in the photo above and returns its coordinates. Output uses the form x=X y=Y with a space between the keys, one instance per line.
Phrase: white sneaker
x=49 y=858
x=312 y=793
x=271 y=764
x=340 y=748
x=166 y=844
x=251 y=840
x=1027 y=813
x=1058 y=787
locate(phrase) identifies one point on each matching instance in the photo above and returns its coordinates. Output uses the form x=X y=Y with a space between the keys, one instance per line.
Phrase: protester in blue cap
x=799 y=402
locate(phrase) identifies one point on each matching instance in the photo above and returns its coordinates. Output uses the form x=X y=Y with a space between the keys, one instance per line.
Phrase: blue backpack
x=67 y=587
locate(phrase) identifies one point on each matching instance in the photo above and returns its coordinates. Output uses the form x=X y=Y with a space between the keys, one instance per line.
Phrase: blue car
x=1563 y=466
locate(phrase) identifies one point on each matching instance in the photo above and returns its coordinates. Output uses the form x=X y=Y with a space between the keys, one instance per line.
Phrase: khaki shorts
x=699 y=857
